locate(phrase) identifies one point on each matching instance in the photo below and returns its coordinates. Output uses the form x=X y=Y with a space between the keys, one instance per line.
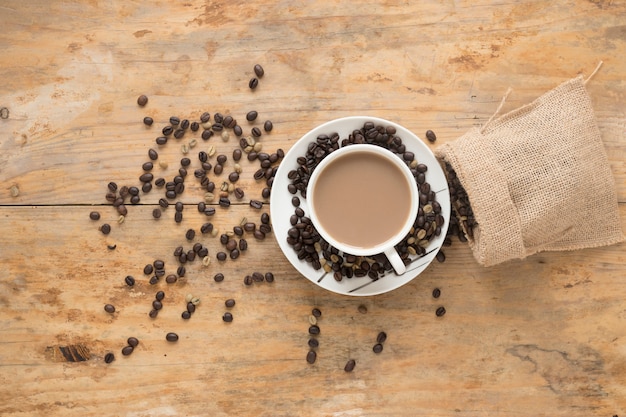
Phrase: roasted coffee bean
x=205 y=117
x=265 y=218
x=148 y=121
x=206 y=134
x=247 y=280
x=252 y=115
x=229 y=303
x=156 y=213
x=148 y=269
x=314 y=330
x=159 y=296
x=191 y=307
x=171 y=279
x=181 y=271
x=158 y=264
x=243 y=245
x=253 y=83
x=167 y=130
x=259 y=235
x=382 y=336
x=132 y=341
x=256 y=132
x=174 y=121
x=147 y=177
x=142 y=100
x=377 y=348
x=316 y=312
x=440 y=311
x=94 y=215
x=311 y=357
x=146 y=187
x=194 y=126
x=186 y=315
x=227 y=317
x=190 y=234
x=157 y=305
x=430 y=135
x=184 y=124
x=313 y=343
x=153 y=313
x=295 y=201
x=258 y=70
x=441 y=256
x=221 y=256
x=105 y=229
x=127 y=350
x=171 y=337
x=350 y=365
x=109 y=308
x=206 y=228
x=159 y=182
x=266 y=192
x=256 y=204
x=129 y=280
x=154 y=280
x=239 y=193
x=436 y=293
x=209 y=211
x=219 y=277
x=224 y=202
x=109 y=357
x=268 y=126
x=269 y=277
x=233 y=177
x=217 y=169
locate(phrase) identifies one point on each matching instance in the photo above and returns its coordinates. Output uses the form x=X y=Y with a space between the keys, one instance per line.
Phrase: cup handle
x=395 y=260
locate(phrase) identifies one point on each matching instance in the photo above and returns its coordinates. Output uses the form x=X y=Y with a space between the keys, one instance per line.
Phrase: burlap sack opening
x=538 y=179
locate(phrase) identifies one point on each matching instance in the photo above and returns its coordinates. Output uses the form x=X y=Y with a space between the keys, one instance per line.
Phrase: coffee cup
x=363 y=200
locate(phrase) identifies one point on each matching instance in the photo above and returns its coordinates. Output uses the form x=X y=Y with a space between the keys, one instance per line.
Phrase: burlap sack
x=538 y=179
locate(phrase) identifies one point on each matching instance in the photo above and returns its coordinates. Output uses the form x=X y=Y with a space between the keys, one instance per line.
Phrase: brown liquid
x=362 y=199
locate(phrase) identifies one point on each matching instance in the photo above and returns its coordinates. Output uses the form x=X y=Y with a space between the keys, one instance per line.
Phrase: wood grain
x=543 y=336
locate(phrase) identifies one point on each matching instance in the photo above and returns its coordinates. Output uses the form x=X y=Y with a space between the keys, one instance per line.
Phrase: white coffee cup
x=377 y=207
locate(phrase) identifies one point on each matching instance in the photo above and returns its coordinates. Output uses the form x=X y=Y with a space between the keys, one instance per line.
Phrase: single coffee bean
x=382 y=336
x=205 y=117
x=440 y=311
x=224 y=202
x=221 y=256
x=161 y=140
x=256 y=132
x=171 y=337
x=314 y=329
x=313 y=343
x=159 y=296
x=239 y=193
x=105 y=229
x=142 y=100
x=190 y=234
x=206 y=228
x=316 y=312
x=180 y=271
x=157 y=305
x=265 y=218
x=109 y=308
x=227 y=317
x=186 y=315
x=258 y=70
x=191 y=307
x=158 y=264
x=167 y=130
x=147 y=166
x=430 y=135
x=257 y=276
x=127 y=350
x=378 y=347
x=129 y=280
x=159 y=182
x=268 y=126
x=247 y=280
x=171 y=279
x=311 y=357
x=237 y=130
x=229 y=303
x=148 y=121
x=94 y=215
x=252 y=115
x=441 y=256
x=436 y=293
x=256 y=204
x=154 y=280
x=194 y=126
x=243 y=245
x=132 y=341
x=109 y=357
x=219 y=277
x=156 y=213
x=253 y=83
x=350 y=365
x=178 y=217
x=269 y=277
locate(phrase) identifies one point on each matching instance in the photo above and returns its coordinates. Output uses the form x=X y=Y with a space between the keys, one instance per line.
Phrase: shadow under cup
x=363 y=201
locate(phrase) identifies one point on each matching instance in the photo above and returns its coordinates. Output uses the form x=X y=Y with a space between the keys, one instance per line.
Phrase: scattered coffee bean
x=256 y=132
x=171 y=337
x=190 y=234
x=142 y=100
x=314 y=329
x=132 y=341
x=219 y=277
x=440 y=311
x=350 y=365
x=251 y=116
x=109 y=308
x=109 y=357
x=159 y=296
x=111 y=247
x=269 y=277
x=436 y=293
x=153 y=313
x=258 y=70
x=229 y=303
x=129 y=280
x=157 y=305
x=430 y=135
x=105 y=229
x=94 y=215
x=362 y=309
x=268 y=126
x=253 y=83
x=441 y=257
x=313 y=343
x=382 y=336
x=127 y=350
x=311 y=357
x=256 y=204
x=227 y=317
x=378 y=347
x=148 y=121
x=316 y=312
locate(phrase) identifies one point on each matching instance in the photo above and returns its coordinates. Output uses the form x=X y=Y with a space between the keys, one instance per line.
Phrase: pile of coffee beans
x=462 y=220
x=311 y=247
x=314 y=331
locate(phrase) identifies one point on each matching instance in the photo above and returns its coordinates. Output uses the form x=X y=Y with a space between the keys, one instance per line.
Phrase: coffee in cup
x=363 y=201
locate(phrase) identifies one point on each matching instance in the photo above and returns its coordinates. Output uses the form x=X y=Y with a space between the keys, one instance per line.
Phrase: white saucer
x=281 y=209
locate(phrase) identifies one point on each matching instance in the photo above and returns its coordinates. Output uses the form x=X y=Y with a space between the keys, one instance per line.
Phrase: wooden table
x=543 y=336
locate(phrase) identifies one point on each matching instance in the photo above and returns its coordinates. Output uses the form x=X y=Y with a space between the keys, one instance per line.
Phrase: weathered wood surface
x=544 y=336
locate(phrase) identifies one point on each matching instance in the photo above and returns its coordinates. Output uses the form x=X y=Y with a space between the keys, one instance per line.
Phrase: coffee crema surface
x=362 y=199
